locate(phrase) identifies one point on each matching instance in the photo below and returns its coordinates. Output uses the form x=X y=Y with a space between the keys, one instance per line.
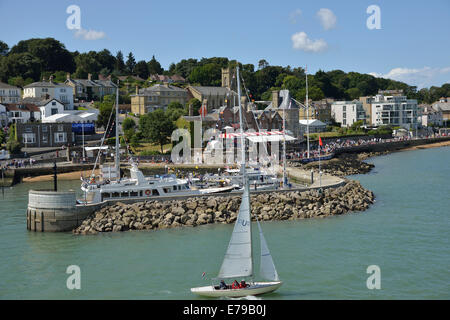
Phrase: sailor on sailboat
x=238 y=261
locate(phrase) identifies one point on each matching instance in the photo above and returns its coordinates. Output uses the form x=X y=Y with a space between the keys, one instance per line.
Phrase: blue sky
x=413 y=44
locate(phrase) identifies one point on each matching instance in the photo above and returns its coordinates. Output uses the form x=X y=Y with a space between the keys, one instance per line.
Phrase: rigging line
x=101 y=144
x=254 y=117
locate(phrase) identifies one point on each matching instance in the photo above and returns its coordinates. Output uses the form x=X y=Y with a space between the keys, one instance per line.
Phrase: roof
x=27 y=107
x=211 y=91
x=44 y=84
x=39 y=101
x=159 y=87
x=7 y=86
x=314 y=123
x=444 y=106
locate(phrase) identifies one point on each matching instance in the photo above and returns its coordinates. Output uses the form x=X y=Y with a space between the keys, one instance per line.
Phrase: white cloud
x=327 y=18
x=295 y=15
x=300 y=41
x=89 y=34
x=422 y=77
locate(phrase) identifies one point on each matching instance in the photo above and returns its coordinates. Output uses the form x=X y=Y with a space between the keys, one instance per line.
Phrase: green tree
x=262 y=64
x=119 y=64
x=128 y=123
x=157 y=127
x=105 y=109
x=207 y=75
x=23 y=65
x=154 y=67
x=4 y=48
x=51 y=54
x=141 y=69
x=131 y=63
x=353 y=93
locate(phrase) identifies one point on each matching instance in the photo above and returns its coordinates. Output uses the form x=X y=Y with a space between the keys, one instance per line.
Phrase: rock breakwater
x=151 y=215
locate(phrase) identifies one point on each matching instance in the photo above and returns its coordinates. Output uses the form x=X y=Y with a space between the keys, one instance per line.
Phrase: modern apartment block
x=394 y=110
x=348 y=112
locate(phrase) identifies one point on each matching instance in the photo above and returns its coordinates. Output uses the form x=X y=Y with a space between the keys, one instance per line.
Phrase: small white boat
x=254 y=289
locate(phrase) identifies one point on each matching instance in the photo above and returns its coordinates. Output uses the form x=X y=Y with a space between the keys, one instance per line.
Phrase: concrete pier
x=50 y=211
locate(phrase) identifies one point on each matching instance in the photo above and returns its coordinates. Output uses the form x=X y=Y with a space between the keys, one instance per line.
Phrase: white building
x=22 y=112
x=9 y=94
x=394 y=110
x=77 y=117
x=48 y=107
x=348 y=112
x=314 y=126
x=50 y=90
x=430 y=117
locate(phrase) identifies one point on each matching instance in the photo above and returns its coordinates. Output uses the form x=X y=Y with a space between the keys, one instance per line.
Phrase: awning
x=278 y=137
x=95 y=148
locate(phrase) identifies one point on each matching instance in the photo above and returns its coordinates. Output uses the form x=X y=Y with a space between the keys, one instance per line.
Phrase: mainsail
x=238 y=258
x=267 y=267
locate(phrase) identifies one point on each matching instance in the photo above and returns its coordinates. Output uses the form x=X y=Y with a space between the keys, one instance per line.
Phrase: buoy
x=148 y=192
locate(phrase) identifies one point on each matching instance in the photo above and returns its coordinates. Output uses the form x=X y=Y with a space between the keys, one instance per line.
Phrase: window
x=28 y=129
x=60 y=127
x=29 y=138
x=53 y=103
x=44 y=138
x=44 y=128
x=54 y=111
x=60 y=137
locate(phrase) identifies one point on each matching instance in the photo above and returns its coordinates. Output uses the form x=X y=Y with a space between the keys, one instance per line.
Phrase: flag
x=320 y=141
x=203 y=110
x=203 y=274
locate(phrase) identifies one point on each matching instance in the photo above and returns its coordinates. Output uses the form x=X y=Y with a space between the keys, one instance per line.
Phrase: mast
x=307 y=110
x=243 y=160
x=241 y=125
x=284 y=147
x=117 y=160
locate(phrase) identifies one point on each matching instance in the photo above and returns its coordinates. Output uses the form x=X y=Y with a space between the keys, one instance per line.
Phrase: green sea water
x=405 y=233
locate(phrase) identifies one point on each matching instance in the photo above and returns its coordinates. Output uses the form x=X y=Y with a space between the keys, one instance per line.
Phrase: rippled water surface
x=406 y=233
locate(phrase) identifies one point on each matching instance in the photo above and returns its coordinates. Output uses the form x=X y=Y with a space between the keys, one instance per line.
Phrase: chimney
x=89 y=76
x=68 y=75
x=51 y=78
x=43 y=78
x=275 y=97
x=137 y=89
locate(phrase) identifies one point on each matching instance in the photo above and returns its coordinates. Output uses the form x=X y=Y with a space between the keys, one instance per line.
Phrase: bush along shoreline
x=270 y=206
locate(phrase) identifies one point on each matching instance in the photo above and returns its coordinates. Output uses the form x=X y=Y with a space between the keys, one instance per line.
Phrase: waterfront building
x=167 y=79
x=288 y=108
x=317 y=110
x=214 y=97
x=348 y=112
x=39 y=135
x=48 y=107
x=444 y=106
x=8 y=93
x=430 y=117
x=88 y=89
x=22 y=112
x=394 y=110
x=158 y=96
x=50 y=90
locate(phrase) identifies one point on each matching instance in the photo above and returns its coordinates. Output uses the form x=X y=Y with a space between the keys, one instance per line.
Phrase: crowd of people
x=234 y=285
x=18 y=163
x=331 y=146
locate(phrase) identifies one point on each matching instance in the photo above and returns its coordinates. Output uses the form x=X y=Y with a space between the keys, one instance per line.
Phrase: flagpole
x=320 y=172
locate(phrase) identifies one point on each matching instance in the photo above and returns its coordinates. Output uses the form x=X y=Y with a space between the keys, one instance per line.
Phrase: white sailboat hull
x=255 y=288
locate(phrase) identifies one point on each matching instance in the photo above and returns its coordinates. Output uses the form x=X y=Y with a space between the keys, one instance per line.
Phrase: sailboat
x=238 y=261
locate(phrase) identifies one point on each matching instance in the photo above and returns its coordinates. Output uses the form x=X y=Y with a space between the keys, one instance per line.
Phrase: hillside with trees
x=31 y=60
